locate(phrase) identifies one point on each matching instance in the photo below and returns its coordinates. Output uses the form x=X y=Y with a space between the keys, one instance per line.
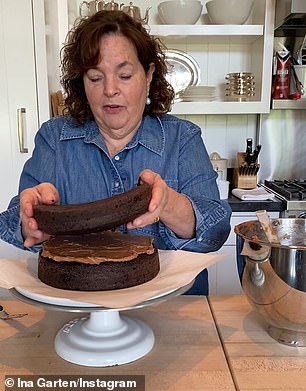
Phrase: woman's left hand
x=172 y=208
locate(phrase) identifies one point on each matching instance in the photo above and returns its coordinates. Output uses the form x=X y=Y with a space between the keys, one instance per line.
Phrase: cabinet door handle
x=21 y=129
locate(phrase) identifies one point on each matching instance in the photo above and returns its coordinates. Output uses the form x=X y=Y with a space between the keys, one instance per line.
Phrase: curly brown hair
x=81 y=52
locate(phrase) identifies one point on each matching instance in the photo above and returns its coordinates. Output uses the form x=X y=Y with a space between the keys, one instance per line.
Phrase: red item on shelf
x=281 y=77
x=295 y=96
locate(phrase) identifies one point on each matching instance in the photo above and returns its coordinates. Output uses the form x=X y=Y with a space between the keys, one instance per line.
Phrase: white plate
x=61 y=301
x=183 y=70
x=53 y=300
x=201 y=99
x=201 y=89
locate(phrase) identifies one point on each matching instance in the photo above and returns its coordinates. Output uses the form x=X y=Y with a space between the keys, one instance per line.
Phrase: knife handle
x=249 y=146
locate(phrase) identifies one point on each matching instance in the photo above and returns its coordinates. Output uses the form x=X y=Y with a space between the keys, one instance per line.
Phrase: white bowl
x=180 y=11
x=229 y=11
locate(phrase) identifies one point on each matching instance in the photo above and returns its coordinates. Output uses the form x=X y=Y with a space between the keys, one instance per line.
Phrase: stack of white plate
x=240 y=85
x=199 y=93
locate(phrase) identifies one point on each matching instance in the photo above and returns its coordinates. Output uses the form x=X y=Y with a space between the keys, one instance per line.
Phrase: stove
x=292 y=193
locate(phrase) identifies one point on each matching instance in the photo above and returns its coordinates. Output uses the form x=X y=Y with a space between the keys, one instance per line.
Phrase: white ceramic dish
x=53 y=300
x=180 y=11
x=61 y=301
x=183 y=70
x=229 y=11
x=199 y=93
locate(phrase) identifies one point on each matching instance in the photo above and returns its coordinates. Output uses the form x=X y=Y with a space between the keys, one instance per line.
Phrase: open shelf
x=217 y=107
x=289 y=104
x=218 y=49
x=211 y=33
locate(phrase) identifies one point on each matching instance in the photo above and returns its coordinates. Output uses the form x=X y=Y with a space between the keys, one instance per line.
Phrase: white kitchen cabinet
x=23 y=105
x=223 y=276
x=219 y=49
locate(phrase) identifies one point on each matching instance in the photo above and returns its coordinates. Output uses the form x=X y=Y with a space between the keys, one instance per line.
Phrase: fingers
x=143 y=220
x=31 y=233
x=159 y=190
x=147 y=176
x=44 y=193
x=157 y=203
x=38 y=237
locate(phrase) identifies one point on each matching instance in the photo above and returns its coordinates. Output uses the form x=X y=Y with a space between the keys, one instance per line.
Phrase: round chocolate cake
x=98 y=261
x=96 y=216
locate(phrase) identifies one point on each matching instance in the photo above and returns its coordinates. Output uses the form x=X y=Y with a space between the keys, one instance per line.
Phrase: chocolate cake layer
x=98 y=261
x=98 y=277
x=93 y=216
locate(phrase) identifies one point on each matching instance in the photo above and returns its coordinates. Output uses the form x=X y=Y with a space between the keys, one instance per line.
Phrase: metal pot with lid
x=109 y=6
x=135 y=13
x=88 y=8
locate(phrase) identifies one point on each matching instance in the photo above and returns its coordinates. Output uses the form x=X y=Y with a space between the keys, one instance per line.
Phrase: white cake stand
x=105 y=337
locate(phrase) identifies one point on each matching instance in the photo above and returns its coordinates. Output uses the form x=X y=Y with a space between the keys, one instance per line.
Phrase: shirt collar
x=71 y=130
x=151 y=134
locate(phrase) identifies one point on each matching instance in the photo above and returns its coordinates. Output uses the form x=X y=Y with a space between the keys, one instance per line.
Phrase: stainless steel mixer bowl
x=274 y=277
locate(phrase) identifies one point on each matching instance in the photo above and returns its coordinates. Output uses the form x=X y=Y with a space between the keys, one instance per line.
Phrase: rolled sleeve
x=10 y=226
x=10 y=230
x=212 y=228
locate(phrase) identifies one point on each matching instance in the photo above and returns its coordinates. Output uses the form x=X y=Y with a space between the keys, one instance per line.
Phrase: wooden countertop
x=200 y=344
x=256 y=360
x=187 y=354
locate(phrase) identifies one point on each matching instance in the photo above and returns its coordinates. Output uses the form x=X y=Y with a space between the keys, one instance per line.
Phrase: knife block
x=243 y=181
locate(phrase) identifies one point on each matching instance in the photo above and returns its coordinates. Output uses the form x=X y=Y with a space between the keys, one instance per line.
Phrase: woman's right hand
x=44 y=193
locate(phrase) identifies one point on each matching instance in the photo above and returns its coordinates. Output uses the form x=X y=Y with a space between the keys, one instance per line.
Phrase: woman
x=115 y=133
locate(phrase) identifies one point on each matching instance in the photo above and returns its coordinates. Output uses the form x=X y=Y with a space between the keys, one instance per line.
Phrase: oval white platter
x=183 y=70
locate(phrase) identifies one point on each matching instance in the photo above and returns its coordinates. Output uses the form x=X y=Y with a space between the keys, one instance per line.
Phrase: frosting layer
x=95 y=248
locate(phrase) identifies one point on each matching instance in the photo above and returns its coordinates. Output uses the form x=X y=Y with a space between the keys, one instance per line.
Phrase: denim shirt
x=75 y=160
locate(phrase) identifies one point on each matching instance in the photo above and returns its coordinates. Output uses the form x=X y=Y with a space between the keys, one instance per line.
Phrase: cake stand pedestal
x=105 y=337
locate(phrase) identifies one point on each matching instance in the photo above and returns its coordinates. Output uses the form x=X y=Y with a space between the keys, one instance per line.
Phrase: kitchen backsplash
x=226 y=134
x=283 y=139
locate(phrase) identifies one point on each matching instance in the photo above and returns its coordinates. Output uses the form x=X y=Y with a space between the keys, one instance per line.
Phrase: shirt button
x=117 y=157
x=200 y=239
x=117 y=184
